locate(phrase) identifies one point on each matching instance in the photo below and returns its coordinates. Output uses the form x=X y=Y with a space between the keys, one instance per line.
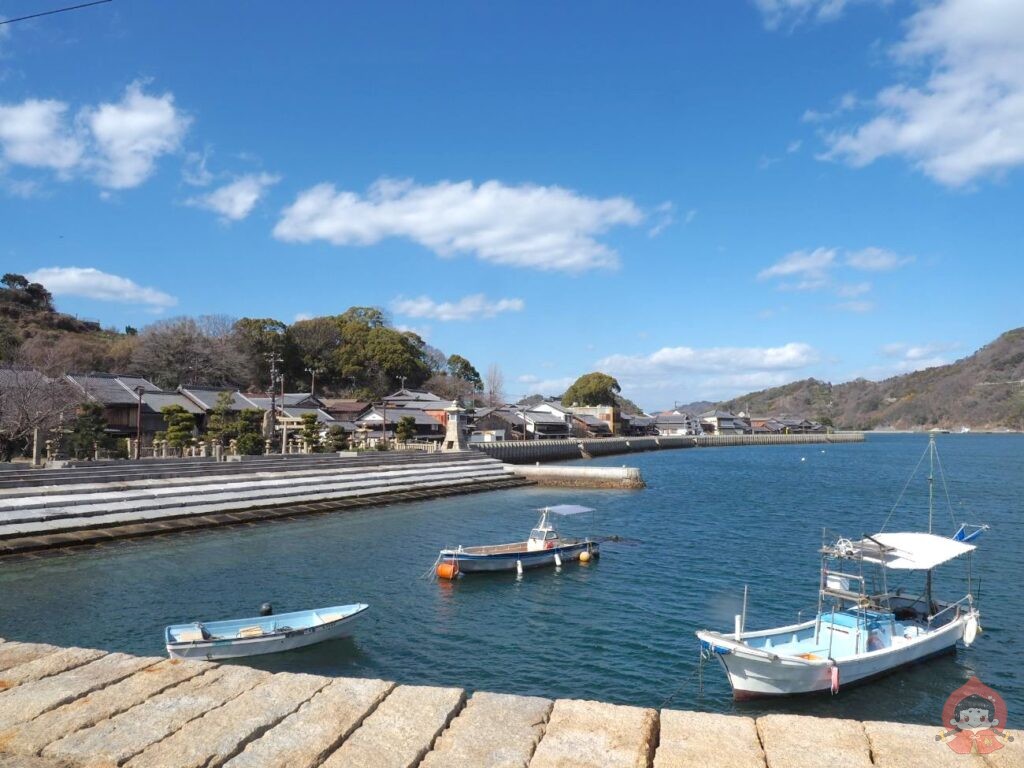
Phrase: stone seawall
x=628 y=478
x=531 y=451
x=68 y=707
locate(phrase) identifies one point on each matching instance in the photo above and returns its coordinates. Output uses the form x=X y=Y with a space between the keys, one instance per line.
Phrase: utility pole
x=273 y=358
x=138 y=423
x=313 y=370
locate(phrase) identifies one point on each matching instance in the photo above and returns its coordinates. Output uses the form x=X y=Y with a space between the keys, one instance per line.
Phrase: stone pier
x=65 y=707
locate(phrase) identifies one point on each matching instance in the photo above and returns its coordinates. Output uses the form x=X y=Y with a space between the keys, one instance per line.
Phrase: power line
x=58 y=10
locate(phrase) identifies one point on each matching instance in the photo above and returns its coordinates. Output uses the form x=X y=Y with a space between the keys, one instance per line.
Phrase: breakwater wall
x=67 y=707
x=580 y=477
x=531 y=451
x=87 y=506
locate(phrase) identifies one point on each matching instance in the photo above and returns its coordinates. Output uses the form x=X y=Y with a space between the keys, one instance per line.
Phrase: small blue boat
x=234 y=638
x=543 y=547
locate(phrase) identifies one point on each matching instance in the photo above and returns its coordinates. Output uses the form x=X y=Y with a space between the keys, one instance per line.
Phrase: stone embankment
x=43 y=509
x=67 y=707
x=531 y=451
x=628 y=478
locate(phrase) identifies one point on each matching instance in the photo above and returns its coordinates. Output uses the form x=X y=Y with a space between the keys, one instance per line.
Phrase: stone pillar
x=49 y=450
x=284 y=439
x=36 y=448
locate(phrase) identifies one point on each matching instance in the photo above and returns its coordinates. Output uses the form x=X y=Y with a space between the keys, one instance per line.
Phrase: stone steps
x=119 y=710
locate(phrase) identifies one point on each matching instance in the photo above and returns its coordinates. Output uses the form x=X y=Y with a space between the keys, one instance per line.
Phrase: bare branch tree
x=495 y=385
x=30 y=400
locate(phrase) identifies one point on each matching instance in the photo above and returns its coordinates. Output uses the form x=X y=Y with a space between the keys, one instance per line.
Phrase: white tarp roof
x=913 y=551
x=566 y=509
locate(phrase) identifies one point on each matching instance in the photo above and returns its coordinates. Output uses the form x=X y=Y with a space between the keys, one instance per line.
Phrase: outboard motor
x=266 y=609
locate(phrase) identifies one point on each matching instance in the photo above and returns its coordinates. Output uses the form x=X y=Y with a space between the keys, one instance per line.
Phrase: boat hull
x=755 y=674
x=506 y=561
x=234 y=648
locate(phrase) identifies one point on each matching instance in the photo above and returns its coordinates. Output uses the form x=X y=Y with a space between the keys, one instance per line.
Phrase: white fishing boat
x=269 y=633
x=544 y=546
x=862 y=628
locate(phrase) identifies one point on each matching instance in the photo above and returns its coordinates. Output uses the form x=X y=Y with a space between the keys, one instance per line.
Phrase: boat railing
x=965 y=599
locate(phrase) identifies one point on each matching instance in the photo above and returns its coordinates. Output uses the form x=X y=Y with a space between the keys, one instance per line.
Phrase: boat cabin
x=543 y=535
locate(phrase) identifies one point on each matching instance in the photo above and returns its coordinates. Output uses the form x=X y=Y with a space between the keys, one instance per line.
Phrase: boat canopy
x=565 y=509
x=910 y=551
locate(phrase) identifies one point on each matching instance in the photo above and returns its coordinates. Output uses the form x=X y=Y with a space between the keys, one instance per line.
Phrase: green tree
x=592 y=389
x=180 y=424
x=250 y=422
x=311 y=431
x=461 y=368
x=406 y=429
x=337 y=439
x=250 y=444
x=88 y=431
x=222 y=425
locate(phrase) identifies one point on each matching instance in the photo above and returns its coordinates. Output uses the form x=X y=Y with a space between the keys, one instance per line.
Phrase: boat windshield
x=540 y=533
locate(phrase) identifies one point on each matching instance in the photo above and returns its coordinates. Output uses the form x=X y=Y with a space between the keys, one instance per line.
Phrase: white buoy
x=558 y=560
x=519 y=567
x=803 y=458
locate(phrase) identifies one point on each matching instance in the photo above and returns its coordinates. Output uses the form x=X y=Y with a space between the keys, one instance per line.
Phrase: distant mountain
x=982 y=391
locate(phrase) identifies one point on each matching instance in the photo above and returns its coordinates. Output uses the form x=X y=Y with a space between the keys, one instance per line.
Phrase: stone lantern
x=454 y=438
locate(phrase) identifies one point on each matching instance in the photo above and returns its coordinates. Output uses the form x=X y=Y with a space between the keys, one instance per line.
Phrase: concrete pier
x=580 y=477
x=530 y=451
x=78 y=707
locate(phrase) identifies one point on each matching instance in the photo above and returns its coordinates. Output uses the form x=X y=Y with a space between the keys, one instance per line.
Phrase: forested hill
x=982 y=391
x=357 y=353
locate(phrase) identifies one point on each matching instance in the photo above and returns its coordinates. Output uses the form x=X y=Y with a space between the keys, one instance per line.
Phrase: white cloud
x=793 y=146
x=901 y=357
x=778 y=12
x=666 y=218
x=811 y=267
x=235 y=201
x=815 y=270
x=300 y=316
x=715 y=359
x=92 y=284
x=547 y=228
x=859 y=306
x=132 y=134
x=853 y=290
x=195 y=173
x=467 y=308
x=966 y=119
x=535 y=385
x=35 y=133
x=118 y=144
x=876 y=259
x=846 y=102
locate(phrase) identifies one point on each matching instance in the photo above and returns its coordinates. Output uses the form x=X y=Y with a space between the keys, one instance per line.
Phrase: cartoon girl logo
x=976 y=717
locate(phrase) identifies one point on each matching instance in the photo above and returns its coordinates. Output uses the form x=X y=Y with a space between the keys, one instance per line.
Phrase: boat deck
x=518 y=547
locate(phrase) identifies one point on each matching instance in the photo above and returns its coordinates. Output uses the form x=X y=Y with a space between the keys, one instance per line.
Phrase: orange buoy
x=584 y=557
x=448 y=570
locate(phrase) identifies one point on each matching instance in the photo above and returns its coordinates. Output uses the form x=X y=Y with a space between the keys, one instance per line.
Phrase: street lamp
x=139 y=389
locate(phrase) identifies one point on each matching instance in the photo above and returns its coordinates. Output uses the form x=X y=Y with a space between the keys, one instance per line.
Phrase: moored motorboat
x=862 y=628
x=544 y=546
x=271 y=633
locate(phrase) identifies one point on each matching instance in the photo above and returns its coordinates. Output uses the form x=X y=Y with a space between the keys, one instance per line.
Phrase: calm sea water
x=619 y=629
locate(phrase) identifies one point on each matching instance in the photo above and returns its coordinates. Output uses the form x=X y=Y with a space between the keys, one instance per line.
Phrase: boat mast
x=931 y=491
x=931 y=478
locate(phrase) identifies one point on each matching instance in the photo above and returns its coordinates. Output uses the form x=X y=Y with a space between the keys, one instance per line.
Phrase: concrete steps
x=74 y=707
x=89 y=512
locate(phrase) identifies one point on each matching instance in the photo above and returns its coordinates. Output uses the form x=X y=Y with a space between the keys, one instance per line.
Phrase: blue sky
x=699 y=198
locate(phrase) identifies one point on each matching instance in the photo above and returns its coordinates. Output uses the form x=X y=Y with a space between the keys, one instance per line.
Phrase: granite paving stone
x=585 y=734
x=13 y=653
x=31 y=737
x=707 y=740
x=496 y=730
x=49 y=664
x=401 y=730
x=303 y=738
x=31 y=699
x=223 y=732
x=113 y=741
x=793 y=741
x=900 y=745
